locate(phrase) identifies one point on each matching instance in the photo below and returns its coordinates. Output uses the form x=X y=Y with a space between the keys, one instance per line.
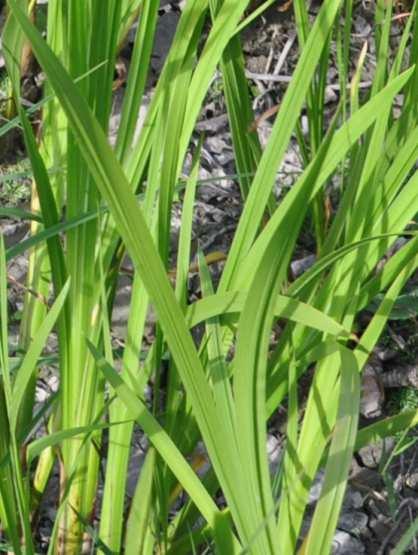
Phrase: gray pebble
x=345 y=544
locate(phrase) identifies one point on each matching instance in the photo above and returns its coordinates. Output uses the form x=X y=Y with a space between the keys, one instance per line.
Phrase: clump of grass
x=221 y=391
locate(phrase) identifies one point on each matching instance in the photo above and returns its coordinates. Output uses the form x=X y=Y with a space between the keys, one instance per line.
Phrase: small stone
x=384 y=354
x=216 y=145
x=121 y=311
x=330 y=95
x=377 y=507
x=316 y=487
x=345 y=544
x=372 y=395
x=380 y=528
x=371 y=454
x=41 y=395
x=264 y=132
x=361 y=27
x=305 y=125
x=352 y=500
x=354 y=522
x=53 y=383
x=368 y=457
x=44 y=390
x=274 y=452
x=412 y=481
x=300 y=266
x=225 y=158
x=14 y=232
x=257 y=64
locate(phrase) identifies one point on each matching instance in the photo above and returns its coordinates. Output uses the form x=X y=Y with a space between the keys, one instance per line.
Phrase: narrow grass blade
x=285 y=307
x=387 y=427
x=339 y=459
x=217 y=367
x=36 y=447
x=139 y=513
x=224 y=539
x=28 y=366
x=137 y=76
x=18 y=213
x=185 y=238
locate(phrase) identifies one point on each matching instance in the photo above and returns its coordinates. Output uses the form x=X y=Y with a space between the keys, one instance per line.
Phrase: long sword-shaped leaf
x=250 y=363
x=139 y=513
x=386 y=427
x=339 y=459
x=285 y=307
